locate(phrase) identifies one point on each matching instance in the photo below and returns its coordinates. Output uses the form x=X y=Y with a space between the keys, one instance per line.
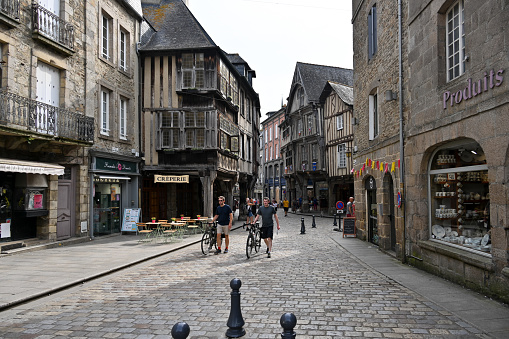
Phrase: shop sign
x=107 y=180
x=171 y=179
x=474 y=88
x=115 y=165
x=370 y=184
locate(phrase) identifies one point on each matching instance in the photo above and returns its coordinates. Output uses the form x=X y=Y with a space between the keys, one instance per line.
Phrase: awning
x=9 y=165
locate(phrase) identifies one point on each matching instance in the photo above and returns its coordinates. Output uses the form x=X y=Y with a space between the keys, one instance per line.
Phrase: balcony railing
x=32 y=116
x=52 y=27
x=10 y=8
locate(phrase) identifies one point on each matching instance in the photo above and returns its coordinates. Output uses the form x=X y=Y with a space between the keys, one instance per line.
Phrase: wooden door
x=64 y=211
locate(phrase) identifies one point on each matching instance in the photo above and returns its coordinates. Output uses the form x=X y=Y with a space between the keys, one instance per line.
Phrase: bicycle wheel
x=258 y=240
x=206 y=243
x=250 y=244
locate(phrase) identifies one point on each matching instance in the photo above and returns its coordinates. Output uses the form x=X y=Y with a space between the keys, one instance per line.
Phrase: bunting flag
x=386 y=167
x=363 y=167
x=367 y=161
x=393 y=167
x=352 y=170
x=377 y=165
x=399 y=164
x=381 y=166
x=372 y=165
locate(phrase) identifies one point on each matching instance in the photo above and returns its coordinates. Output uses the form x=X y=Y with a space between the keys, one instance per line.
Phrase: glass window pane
x=187 y=79
x=200 y=79
x=200 y=138
x=199 y=60
x=200 y=119
x=175 y=137
x=189 y=119
x=187 y=60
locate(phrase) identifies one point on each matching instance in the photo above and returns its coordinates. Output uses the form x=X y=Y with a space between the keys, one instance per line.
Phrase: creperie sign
x=474 y=88
x=172 y=179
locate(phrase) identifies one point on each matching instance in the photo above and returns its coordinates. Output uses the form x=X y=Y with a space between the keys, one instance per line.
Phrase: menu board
x=349 y=227
x=131 y=217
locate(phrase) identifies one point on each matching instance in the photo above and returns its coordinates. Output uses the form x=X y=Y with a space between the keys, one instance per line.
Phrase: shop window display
x=460 y=198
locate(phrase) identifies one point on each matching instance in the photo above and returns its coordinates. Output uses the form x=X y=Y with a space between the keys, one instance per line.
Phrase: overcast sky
x=272 y=35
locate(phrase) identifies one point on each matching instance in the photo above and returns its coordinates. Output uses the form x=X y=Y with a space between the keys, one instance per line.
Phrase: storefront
x=24 y=199
x=459 y=197
x=114 y=185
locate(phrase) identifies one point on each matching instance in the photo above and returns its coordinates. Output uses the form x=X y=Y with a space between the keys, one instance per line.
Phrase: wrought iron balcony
x=20 y=113
x=9 y=12
x=49 y=27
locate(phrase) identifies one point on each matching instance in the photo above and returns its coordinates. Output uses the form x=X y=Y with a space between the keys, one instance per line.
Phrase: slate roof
x=313 y=76
x=344 y=92
x=176 y=27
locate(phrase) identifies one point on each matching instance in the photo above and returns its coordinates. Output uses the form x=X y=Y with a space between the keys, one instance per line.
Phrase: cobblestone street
x=332 y=294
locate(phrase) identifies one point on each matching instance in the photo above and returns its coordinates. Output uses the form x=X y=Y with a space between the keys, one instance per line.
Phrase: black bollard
x=235 y=321
x=180 y=330
x=288 y=322
x=302 y=227
x=313 y=224
x=335 y=222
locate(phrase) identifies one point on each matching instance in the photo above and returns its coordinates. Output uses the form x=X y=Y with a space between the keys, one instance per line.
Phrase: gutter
x=406 y=245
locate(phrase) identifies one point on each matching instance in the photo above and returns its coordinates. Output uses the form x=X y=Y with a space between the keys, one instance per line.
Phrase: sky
x=273 y=35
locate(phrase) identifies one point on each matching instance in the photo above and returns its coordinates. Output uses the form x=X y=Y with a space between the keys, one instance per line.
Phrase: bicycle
x=209 y=238
x=254 y=239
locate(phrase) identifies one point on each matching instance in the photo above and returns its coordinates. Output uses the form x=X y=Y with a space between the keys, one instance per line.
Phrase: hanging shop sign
x=171 y=179
x=115 y=165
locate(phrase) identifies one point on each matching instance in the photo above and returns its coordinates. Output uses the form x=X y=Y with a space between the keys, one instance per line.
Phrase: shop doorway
x=65 y=210
x=372 y=211
x=107 y=207
x=154 y=200
x=389 y=197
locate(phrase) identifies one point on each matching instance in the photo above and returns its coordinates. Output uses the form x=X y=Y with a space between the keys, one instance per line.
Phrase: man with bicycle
x=267 y=229
x=224 y=217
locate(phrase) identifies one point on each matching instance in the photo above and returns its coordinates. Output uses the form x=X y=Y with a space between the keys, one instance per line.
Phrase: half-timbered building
x=337 y=103
x=199 y=116
x=303 y=144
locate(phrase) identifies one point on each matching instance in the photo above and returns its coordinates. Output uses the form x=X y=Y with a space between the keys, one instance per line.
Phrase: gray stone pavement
x=337 y=288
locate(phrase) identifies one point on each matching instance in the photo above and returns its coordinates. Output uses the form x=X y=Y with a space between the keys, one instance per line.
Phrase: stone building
x=451 y=219
x=302 y=143
x=112 y=87
x=200 y=117
x=273 y=167
x=44 y=126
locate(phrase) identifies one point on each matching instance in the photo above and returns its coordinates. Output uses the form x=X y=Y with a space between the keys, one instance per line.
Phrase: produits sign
x=171 y=179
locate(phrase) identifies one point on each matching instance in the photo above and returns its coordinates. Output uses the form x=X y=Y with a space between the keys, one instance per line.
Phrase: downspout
x=406 y=245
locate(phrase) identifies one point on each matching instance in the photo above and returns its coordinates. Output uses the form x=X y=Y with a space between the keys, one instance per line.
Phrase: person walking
x=224 y=217
x=249 y=210
x=267 y=230
x=350 y=208
x=286 y=205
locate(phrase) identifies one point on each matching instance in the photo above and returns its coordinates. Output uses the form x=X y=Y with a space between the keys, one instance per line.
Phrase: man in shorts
x=267 y=229
x=224 y=217
x=286 y=205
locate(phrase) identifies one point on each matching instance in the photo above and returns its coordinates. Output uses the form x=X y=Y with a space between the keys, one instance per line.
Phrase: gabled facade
x=44 y=127
x=274 y=181
x=303 y=143
x=200 y=117
x=337 y=103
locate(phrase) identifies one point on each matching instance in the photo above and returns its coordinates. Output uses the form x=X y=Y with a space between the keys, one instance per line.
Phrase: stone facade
x=273 y=165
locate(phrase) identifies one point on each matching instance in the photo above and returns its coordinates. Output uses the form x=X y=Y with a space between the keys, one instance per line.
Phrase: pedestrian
x=235 y=202
x=274 y=204
x=267 y=229
x=350 y=208
x=249 y=210
x=286 y=205
x=315 y=203
x=224 y=217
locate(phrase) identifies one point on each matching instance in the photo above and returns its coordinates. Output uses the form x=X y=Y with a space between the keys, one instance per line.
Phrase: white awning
x=9 y=165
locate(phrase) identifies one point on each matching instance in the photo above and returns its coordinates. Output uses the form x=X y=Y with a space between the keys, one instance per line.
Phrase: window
x=193 y=70
x=249 y=149
x=275 y=131
x=195 y=129
x=3 y=59
x=47 y=92
x=276 y=153
x=310 y=120
x=300 y=96
x=341 y=155
x=270 y=133
x=105 y=112
x=248 y=109
x=266 y=139
x=339 y=122
x=242 y=150
x=372 y=35
x=170 y=129
x=122 y=118
x=124 y=50
x=270 y=152
x=106 y=30
x=299 y=127
x=241 y=103
x=373 y=116
x=455 y=41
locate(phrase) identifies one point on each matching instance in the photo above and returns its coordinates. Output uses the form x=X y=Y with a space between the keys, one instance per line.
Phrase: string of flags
x=377 y=166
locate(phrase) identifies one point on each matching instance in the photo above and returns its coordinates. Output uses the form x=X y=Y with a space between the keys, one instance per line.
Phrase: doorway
x=372 y=210
x=65 y=210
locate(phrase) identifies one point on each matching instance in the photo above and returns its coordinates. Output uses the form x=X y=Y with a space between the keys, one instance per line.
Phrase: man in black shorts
x=267 y=229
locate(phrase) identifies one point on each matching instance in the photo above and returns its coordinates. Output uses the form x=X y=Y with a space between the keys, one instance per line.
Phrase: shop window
x=460 y=197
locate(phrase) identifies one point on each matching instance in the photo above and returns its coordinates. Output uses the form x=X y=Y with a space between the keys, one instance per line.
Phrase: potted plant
x=153 y=219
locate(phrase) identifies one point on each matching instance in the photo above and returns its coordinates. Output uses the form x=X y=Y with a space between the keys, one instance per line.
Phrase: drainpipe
x=406 y=244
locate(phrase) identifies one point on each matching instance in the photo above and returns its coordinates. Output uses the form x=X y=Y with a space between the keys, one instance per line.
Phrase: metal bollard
x=288 y=322
x=313 y=224
x=180 y=330
x=302 y=226
x=235 y=321
x=335 y=222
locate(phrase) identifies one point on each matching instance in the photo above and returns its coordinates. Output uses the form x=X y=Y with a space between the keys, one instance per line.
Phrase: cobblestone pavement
x=332 y=294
